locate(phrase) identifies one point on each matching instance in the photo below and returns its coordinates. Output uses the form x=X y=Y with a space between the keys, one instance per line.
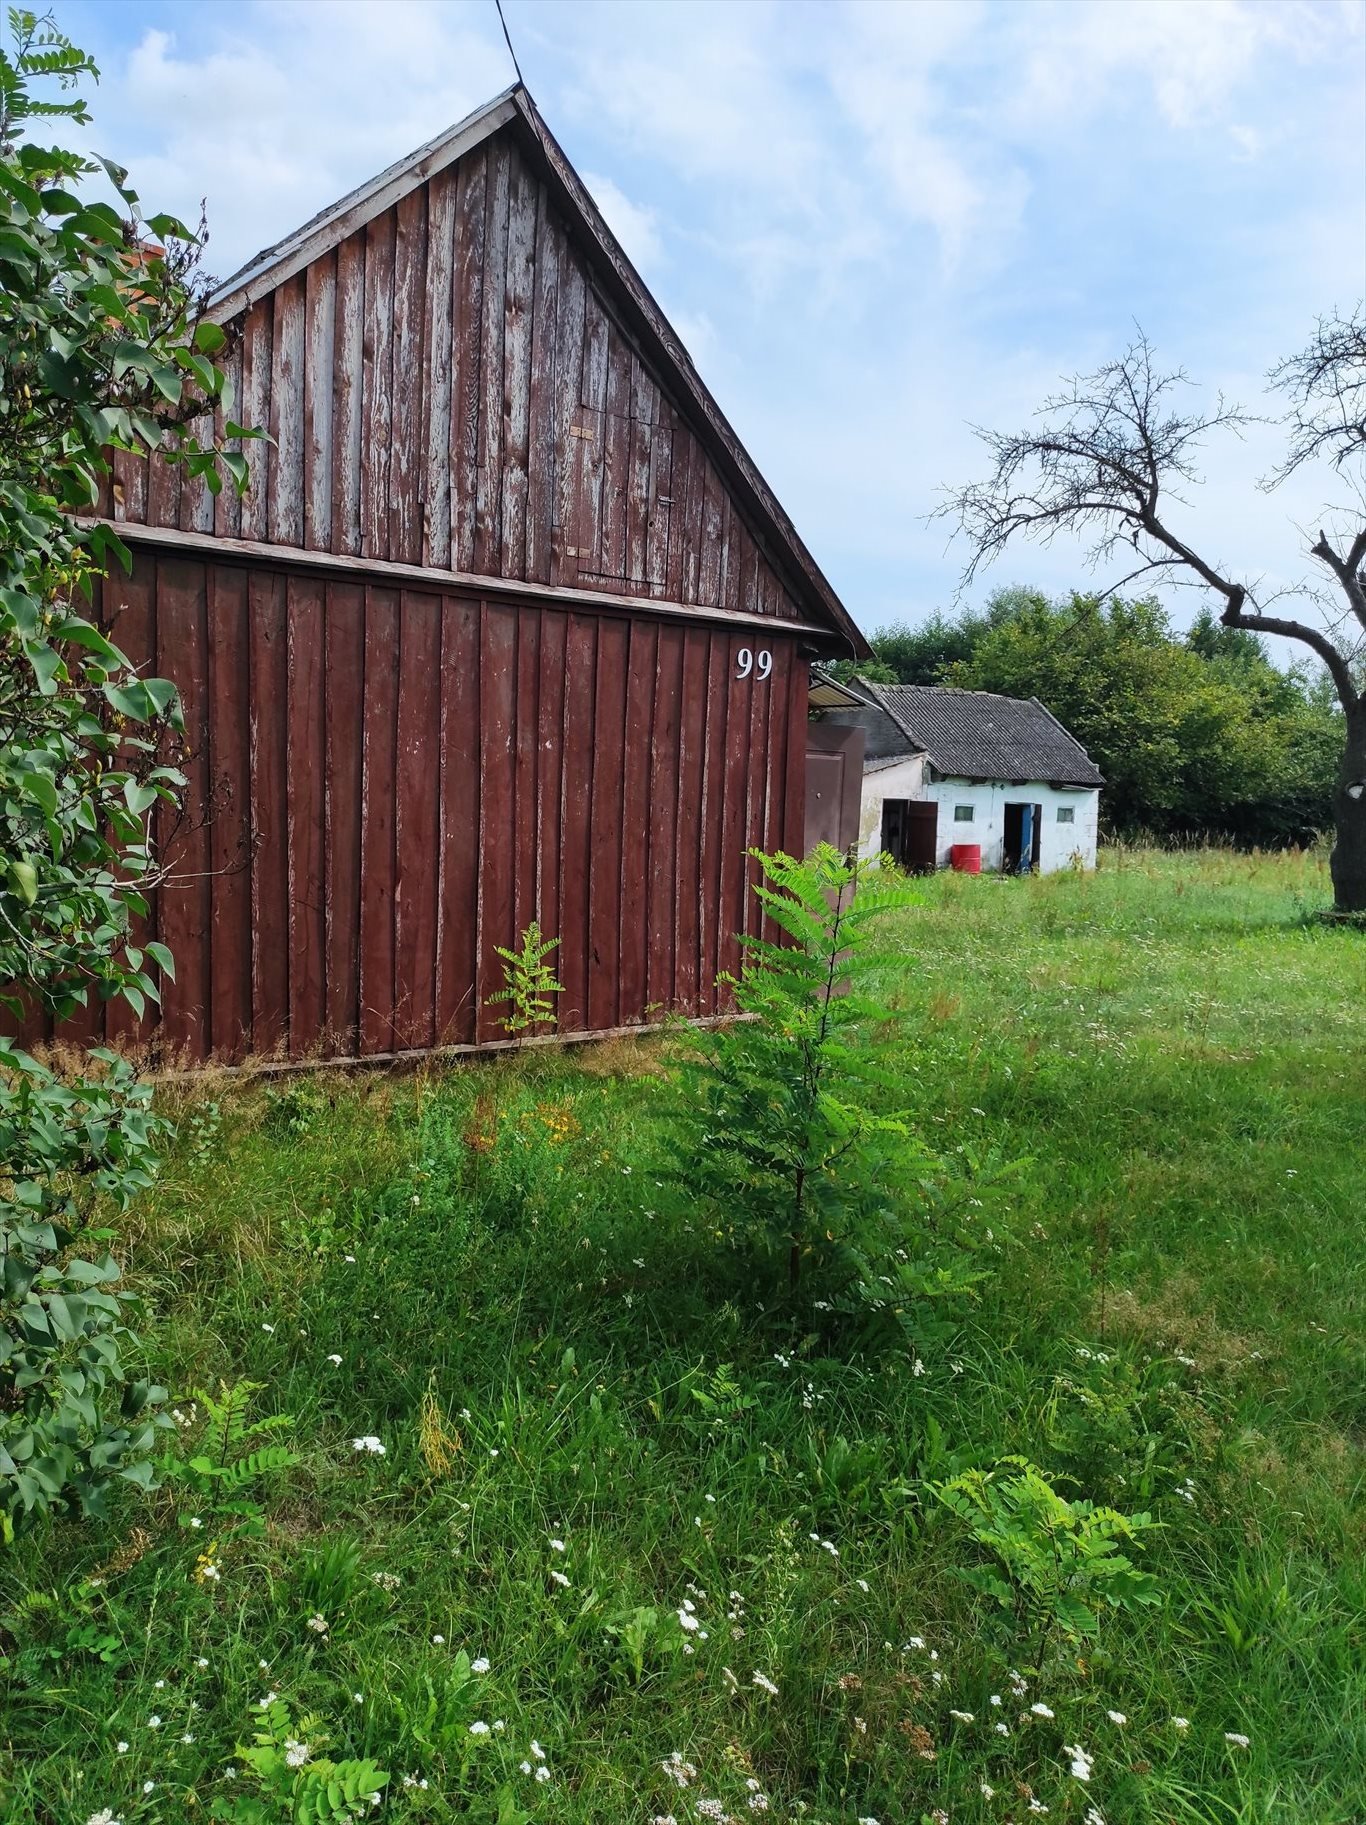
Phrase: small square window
x=1067 y=814
x=963 y=814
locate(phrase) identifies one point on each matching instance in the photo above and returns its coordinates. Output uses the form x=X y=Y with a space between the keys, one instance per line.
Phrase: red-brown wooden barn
x=508 y=627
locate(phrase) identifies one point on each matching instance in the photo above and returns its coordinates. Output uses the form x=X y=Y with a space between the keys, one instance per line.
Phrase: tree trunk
x=1349 y=818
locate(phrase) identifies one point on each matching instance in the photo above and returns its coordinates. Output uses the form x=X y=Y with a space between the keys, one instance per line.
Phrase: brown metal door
x=920 y=837
x=834 y=785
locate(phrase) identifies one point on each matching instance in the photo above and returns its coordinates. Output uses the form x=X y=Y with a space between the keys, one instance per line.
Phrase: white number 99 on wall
x=746 y=661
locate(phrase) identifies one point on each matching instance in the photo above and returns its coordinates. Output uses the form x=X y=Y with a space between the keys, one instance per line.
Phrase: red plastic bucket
x=966 y=858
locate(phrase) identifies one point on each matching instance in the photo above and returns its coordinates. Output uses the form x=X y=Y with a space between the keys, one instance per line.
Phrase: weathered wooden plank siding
x=387 y=785
x=451 y=386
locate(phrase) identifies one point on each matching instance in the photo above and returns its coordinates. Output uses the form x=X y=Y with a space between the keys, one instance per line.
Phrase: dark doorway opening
x=910 y=833
x=1023 y=831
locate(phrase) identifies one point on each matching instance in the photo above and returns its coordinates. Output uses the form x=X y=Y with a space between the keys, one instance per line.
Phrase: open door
x=910 y=833
x=834 y=785
x=1023 y=835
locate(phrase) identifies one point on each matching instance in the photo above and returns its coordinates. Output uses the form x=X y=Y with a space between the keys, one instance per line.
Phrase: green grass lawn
x=635 y=1503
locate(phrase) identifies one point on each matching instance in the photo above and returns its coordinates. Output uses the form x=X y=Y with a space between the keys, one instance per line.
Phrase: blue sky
x=873 y=224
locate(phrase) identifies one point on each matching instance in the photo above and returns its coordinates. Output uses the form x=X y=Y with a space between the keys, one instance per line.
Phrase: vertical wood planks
x=285 y=458
x=437 y=336
x=348 y=394
x=734 y=866
x=269 y=812
x=576 y=793
x=564 y=554
x=541 y=397
x=320 y=316
x=526 y=796
x=344 y=650
x=642 y=657
x=518 y=302
x=497 y=773
x=379 y=734
x=549 y=768
x=604 y=878
x=488 y=487
x=400 y=783
x=471 y=212
x=307 y=761
x=408 y=455
x=377 y=386
x=183 y=909
x=457 y=859
x=662 y=848
x=712 y=807
x=230 y=831
x=417 y=831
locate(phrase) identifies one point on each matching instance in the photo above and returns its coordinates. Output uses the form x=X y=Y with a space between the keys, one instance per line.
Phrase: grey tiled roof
x=977 y=735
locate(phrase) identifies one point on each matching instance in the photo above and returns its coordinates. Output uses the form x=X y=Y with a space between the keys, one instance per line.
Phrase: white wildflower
x=1181 y=1723
x=1041 y=1710
x=318 y=1624
x=1081 y=1761
x=1235 y=1737
x=481 y=1665
x=369 y=1443
x=964 y=1717
x=557 y=1546
x=335 y=1360
x=1117 y=1717
x=104 y=1817
x=296 y=1753
x=543 y=1773
x=479 y=1728
x=560 y=1579
x=765 y=1684
x=153 y=1723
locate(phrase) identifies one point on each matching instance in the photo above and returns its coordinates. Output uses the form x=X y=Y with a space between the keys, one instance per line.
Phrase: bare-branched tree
x=1108 y=458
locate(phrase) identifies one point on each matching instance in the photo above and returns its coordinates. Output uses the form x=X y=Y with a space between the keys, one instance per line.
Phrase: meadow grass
x=681 y=1515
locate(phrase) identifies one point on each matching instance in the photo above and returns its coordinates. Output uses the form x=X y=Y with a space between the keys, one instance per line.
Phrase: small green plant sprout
x=295 y=1784
x=781 y=1108
x=528 y=983
x=231 y=1456
x=1059 y=1562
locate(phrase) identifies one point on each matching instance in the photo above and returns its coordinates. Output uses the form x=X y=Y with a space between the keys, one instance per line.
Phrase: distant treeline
x=1196 y=733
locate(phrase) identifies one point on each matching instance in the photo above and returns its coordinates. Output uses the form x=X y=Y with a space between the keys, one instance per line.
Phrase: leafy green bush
x=66 y=1151
x=103 y=345
x=528 y=982
x=295 y=1784
x=1060 y=1562
x=782 y=1133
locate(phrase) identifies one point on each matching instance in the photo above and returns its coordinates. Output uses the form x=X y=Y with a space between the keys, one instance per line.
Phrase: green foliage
x=103 y=345
x=528 y=981
x=231 y=1454
x=1195 y=1189
x=295 y=1784
x=67 y=1151
x=782 y=1132
x=1200 y=733
x=1059 y=1562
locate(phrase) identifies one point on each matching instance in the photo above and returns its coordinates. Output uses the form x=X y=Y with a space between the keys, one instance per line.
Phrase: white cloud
x=635 y=225
x=870 y=223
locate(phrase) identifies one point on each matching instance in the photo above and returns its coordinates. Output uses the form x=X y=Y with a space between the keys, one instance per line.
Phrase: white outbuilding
x=969 y=771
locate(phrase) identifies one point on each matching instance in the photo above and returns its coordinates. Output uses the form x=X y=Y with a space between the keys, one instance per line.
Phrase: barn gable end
x=460 y=370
